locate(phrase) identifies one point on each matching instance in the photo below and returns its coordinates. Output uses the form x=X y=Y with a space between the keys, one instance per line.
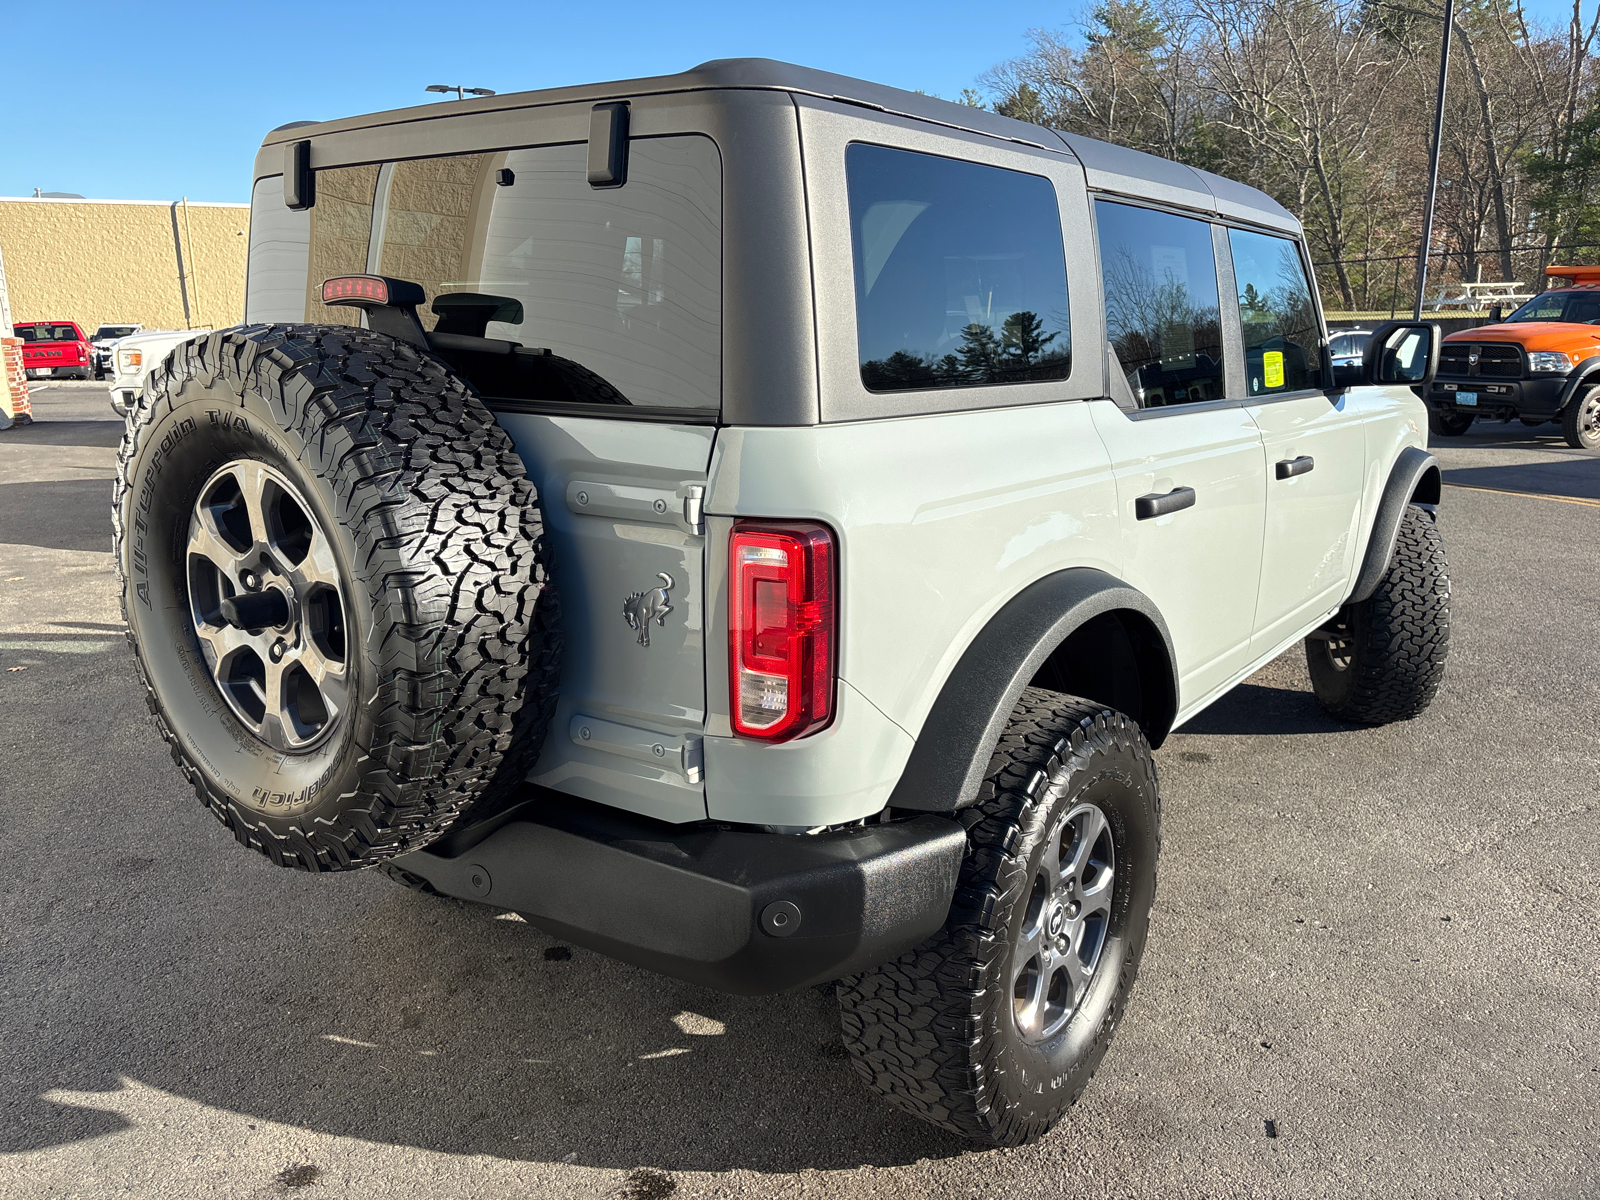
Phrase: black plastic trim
x=1415 y=477
x=1582 y=375
x=956 y=740
x=1288 y=468
x=741 y=911
x=1161 y=504
x=299 y=181
x=659 y=414
x=608 y=145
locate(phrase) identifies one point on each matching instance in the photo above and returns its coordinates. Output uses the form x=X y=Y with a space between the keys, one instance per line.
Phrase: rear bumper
x=740 y=911
x=1501 y=397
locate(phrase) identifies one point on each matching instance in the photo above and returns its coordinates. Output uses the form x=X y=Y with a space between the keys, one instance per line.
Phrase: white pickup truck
x=129 y=360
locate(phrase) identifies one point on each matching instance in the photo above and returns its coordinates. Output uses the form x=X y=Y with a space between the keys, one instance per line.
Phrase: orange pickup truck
x=1541 y=363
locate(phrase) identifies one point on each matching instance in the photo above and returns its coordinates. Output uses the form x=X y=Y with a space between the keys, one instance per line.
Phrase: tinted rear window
x=41 y=332
x=960 y=272
x=626 y=282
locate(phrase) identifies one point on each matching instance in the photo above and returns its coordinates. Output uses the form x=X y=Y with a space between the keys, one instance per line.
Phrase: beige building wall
x=101 y=262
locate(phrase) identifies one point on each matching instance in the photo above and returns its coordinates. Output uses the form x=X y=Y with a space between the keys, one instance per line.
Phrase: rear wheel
x=1449 y=423
x=335 y=585
x=1383 y=659
x=1580 y=423
x=993 y=1028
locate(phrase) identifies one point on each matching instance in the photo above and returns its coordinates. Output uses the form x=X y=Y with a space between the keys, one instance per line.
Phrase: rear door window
x=960 y=272
x=1162 y=310
x=1282 y=340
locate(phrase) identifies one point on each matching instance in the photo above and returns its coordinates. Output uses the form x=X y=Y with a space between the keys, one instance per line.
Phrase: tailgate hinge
x=694 y=496
x=694 y=759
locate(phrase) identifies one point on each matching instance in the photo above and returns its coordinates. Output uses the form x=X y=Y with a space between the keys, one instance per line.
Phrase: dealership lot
x=1373 y=967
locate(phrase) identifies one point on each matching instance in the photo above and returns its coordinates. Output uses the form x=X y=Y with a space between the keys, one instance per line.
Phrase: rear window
x=112 y=331
x=44 y=332
x=960 y=272
x=624 y=283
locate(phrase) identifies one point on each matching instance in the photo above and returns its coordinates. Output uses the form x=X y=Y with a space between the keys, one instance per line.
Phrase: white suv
x=758 y=524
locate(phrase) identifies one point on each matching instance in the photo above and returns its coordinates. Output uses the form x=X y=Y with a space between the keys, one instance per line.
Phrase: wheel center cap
x=1058 y=921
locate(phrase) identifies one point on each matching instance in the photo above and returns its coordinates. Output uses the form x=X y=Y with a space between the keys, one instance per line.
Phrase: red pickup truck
x=55 y=349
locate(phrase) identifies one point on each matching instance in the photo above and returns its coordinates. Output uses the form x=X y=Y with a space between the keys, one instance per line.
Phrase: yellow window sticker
x=1272 y=368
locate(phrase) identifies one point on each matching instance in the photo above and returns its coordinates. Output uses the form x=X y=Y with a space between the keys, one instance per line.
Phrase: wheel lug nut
x=1072 y=909
x=251 y=580
x=279 y=649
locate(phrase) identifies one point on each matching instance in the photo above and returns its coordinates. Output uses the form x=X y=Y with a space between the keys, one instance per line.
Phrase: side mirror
x=1403 y=352
x=1497 y=314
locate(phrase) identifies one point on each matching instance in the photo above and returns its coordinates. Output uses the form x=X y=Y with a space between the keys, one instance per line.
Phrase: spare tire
x=335 y=580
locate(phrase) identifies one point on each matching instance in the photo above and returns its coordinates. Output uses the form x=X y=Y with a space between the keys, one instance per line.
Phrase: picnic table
x=1478 y=295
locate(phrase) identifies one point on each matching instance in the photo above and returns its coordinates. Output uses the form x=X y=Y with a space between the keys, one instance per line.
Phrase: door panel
x=1312 y=517
x=621 y=504
x=1201 y=564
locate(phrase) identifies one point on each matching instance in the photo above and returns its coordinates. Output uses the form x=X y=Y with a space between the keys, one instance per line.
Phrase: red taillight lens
x=355 y=287
x=782 y=628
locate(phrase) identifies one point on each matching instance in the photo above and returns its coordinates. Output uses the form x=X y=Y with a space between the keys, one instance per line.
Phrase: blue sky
x=155 y=101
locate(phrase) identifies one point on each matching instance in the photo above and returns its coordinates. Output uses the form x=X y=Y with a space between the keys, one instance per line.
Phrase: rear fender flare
x=1414 y=479
x=958 y=737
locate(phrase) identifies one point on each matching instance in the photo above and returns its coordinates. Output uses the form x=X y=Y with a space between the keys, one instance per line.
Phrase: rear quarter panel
x=941 y=520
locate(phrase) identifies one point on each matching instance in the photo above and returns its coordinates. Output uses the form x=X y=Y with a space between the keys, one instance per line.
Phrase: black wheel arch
x=1584 y=376
x=1414 y=479
x=1081 y=630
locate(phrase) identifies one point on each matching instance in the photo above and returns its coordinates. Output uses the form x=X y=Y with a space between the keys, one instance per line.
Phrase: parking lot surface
x=1372 y=967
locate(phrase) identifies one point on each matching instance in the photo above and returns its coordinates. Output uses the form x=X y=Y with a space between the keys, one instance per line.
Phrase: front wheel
x=992 y=1028
x=1580 y=423
x=1383 y=659
x=1449 y=424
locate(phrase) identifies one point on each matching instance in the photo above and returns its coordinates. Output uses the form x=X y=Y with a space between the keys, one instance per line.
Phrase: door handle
x=1158 y=505
x=1288 y=468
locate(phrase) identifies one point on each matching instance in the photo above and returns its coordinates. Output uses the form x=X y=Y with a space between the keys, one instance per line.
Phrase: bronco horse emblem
x=639 y=609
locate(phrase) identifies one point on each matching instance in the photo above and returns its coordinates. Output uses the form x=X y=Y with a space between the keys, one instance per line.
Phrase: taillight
x=782 y=628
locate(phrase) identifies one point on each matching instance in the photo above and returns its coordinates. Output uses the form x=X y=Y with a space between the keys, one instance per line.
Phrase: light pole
x=461 y=92
x=1433 y=160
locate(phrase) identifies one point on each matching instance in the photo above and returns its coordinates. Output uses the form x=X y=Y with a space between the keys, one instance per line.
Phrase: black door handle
x=1288 y=468
x=1158 y=505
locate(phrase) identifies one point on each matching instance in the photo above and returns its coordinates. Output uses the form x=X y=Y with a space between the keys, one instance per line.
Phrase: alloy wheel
x=268 y=605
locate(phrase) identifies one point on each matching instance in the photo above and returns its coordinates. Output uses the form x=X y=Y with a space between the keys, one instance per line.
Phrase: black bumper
x=740 y=911
x=1501 y=397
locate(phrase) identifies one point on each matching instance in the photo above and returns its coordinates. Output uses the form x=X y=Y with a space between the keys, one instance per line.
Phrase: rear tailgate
x=621 y=503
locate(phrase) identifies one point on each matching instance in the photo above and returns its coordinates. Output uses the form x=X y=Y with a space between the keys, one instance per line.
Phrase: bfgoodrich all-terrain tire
x=993 y=1028
x=334 y=579
x=1383 y=659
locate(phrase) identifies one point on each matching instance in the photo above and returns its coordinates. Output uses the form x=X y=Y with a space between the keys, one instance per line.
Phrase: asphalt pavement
x=1372 y=967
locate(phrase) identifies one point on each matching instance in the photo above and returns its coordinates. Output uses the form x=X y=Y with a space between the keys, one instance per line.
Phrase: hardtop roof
x=1108 y=167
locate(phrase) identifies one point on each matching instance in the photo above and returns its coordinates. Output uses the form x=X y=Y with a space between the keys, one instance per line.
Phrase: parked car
x=54 y=350
x=102 y=341
x=1542 y=363
x=883 y=481
x=133 y=357
x=1348 y=347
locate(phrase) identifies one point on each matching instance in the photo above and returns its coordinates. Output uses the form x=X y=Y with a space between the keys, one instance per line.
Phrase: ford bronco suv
x=1542 y=363
x=757 y=524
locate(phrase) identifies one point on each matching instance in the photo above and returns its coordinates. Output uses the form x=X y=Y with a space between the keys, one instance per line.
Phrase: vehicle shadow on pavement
x=42 y=432
x=1265 y=709
x=1568 y=476
x=60 y=514
x=349 y=1006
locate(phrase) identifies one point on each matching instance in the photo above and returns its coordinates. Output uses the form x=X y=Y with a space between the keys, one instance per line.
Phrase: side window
x=1160 y=280
x=341 y=223
x=280 y=248
x=623 y=286
x=1282 y=343
x=960 y=272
